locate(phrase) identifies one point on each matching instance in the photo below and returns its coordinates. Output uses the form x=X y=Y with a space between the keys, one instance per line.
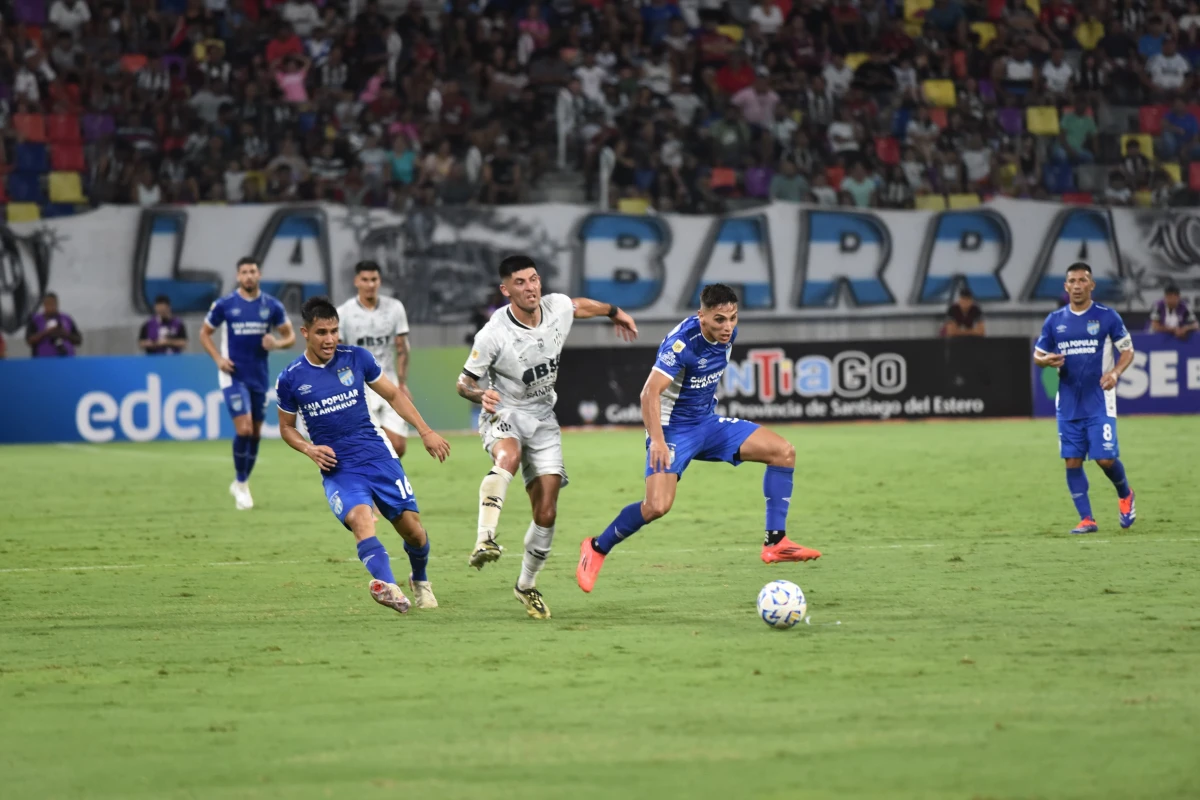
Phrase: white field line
x=732 y=548
x=108 y=450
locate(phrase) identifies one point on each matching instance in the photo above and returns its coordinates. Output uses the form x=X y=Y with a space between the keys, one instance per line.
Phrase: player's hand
x=626 y=327
x=435 y=445
x=269 y=342
x=1054 y=359
x=323 y=455
x=225 y=365
x=490 y=401
x=1109 y=380
x=660 y=457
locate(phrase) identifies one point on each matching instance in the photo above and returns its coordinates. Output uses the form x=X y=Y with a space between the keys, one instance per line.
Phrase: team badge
x=678 y=346
x=667 y=358
x=346 y=376
x=1093 y=327
x=335 y=502
x=235 y=402
x=263 y=312
x=474 y=354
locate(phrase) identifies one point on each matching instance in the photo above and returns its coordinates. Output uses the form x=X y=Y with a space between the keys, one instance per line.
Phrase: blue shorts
x=241 y=399
x=712 y=439
x=1094 y=438
x=383 y=483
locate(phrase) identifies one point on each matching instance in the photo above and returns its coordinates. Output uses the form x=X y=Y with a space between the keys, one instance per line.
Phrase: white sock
x=491 y=501
x=537 y=548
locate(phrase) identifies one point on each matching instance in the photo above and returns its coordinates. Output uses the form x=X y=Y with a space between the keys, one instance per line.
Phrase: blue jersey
x=1086 y=340
x=332 y=400
x=246 y=322
x=695 y=366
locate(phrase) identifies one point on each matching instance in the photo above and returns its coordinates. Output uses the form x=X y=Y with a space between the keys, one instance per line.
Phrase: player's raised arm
x=652 y=391
x=400 y=400
x=586 y=308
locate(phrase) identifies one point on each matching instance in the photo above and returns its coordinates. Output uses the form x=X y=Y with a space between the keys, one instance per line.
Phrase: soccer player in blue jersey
x=678 y=403
x=327 y=386
x=248 y=315
x=1079 y=339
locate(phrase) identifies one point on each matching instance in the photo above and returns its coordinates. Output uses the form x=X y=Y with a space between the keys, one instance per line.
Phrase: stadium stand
x=662 y=105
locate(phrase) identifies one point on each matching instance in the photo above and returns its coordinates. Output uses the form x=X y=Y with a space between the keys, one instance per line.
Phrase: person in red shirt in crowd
x=736 y=75
x=714 y=47
x=1058 y=23
x=286 y=43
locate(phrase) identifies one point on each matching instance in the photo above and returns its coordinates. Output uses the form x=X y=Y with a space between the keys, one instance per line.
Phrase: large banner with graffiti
x=1164 y=378
x=788 y=261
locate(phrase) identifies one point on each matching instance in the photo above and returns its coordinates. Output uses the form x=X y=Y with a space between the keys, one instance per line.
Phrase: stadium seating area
x=688 y=105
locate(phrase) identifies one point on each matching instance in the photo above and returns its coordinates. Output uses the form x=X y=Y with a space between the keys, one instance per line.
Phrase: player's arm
x=210 y=347
x=402 y=358
x=401 y=401
x=656 y=384
x=285 y=339
x=1125 y=347
x=144 y=340
x=179 y=341
x=483 y=354
x=1043 y=354
x=322 y=454
x=1187 y=325
x=586 y=308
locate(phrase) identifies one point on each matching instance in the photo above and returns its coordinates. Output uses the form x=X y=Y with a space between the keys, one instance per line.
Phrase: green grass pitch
x=155 y=643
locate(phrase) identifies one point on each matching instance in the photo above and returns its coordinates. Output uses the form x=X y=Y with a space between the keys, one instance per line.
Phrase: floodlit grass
x=155 y=643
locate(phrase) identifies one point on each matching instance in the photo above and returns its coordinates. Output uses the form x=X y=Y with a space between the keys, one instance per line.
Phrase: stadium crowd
x=683 y=105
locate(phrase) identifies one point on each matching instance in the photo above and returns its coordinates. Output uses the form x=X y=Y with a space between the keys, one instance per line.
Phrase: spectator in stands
x=1135 y=164
x=861 y=187
x=1167 y=72
x=964 y=317
x=758 y=101
x=1118 y=193
x=70 y=16
x=502 y=175
x=1058 y=77
x=1171 y=315
x=1180 y=134
x=52 y=333
x=1076 y=142
x=788 y=184
x=164 y=333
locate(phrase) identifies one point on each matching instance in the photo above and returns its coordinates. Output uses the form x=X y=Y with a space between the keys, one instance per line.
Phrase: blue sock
x=1077 y=482
x=240 y=445
x=1116 y=474
x=418 y=557
x=374 y=557
x=777 y=489
x=627 y=523
x=251 y=453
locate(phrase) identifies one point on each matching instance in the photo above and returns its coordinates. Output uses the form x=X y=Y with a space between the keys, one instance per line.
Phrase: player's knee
x=545 y=516
x=361 y=519
x=1073 y=463
x=509 y=462
x=1104 y=463
x=655 y=508
x=786 y=456
x=242 y=426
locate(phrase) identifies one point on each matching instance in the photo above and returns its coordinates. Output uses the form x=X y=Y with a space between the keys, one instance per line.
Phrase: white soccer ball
x=781 y=604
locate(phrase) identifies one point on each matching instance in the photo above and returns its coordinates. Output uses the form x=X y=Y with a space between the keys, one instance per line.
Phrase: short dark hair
x=1171 y=288
x=51 y=296
x=367 y=266
x=316 y=308
x=162 y=298
x=1080 y=266
x=717 y=294
x=244 y=260
x=965 y=292
x=515 y=264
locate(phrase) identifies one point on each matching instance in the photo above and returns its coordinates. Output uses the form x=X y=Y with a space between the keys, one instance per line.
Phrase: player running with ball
x=518 y=351
x=678 y=401
x=327 y=386
x=1078 y=339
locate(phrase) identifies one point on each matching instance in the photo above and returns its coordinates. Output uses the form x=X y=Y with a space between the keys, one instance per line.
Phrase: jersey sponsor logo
x=1077 y=347
x=1093 y=327
x=305 y=389
x=702 y=363
x=371 y=341
x=240 y=328
x=346 y=376
x=678 y=346
x=1061 y=329
x=540 y=372
x=235 y=312
x=667 y=357
x=704 y=381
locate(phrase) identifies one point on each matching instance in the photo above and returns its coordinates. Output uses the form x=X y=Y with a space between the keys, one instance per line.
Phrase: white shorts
x=384 y=416
x=540 y=440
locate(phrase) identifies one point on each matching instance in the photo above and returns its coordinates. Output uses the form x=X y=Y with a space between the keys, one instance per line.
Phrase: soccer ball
x=781 y=604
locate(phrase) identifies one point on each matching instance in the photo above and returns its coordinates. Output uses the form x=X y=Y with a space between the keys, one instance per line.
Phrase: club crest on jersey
x=1093 y=327
x=263 y=312
x=335 y=502
x=346 y=376
x=235 y=402
x=678 y=346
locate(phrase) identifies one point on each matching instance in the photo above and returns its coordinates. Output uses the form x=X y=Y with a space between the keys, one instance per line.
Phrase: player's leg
x=258 y=411
x=539 y=538
x=237 y=400
x=393 y=494
x=1073 y=448
x=350 y=501
x=735 y=441
x=501 y=443
x=660 y=496
x=384 y=417
x=1102 y=438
